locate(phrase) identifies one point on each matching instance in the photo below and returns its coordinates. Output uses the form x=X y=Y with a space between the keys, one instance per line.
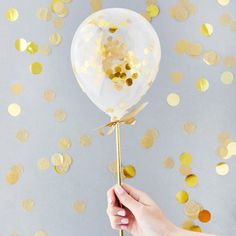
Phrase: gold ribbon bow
x=128 y=119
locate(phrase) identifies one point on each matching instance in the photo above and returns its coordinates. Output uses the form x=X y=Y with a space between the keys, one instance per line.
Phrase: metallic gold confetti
x=182 y=197
x=192 y=209
x=204 y=216
x=187 y=224
x=12 y=14
x=32 y=47
x=173 y=99
x=148 y=138
x=206 y=29
x=222 y=151
x=60 y=115
x=16 y=89
x=44 y=14
x=22 y=135
x=185 y=170
x=43 y=164
x=168 y=163
x=181 y=46
x=55 y=39
x=79 y=206
x=64 y=143
x=14 y=109
x=185 y=158
x=85 y=140
x=227 y=77
x=191 y=180
x=230 y=61
x=225 y=19
x=40 y=233
x=194 y=49
x=17 y=168
x=231 y=148
x=129 y=171
x=223 y=137
x=223 y=2
x=61 y=162
x=152 y=10
x=57 y=159
x=202 y=84
x=57 y=6
x=95 y=5
x=28 y=204
x=222 y=168
x=58 y=22
x=45 y=50
x=190 y=127
x=211 y=58
x=21 y=44
x=49 y=95
x=36 y=68
x=196 y=228
x=14 y=174
x=176 y=77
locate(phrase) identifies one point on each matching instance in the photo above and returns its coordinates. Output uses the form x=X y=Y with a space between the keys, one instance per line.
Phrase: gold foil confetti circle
x=191 y=180
x=222 y=168
x=14 y=174
x=28 y=204
x=55 y=39
x=44 y=14
x=192 y=209
x=57 y=159
x=44 y=50
x=185 y=170
x=223 y=2
x=190 y=127
x=148 y=138
x=204 y=216
x=21 y=44
x=12 y=14
x=153 y=10
x=43 y=164
x=58 y=22
x=168 y=163
x=231 y=147
x=85 y=140
x=227 y=77
x=173 y=99
x=206 y=29
x=49 y=95
x=14 y=109
x=60 y=115
x=211 y=58
x=36 y=68
x=16 y=89
x=95 y=5
x=129 y=171
x=64 y=143
x=187 y=224
x=79 y=206
x=32 y=48
x=196 y=228
x=185 y=158
x=182 y=197
x=202 y=84
x=222 y=151
x=22 y=135
x=176 y=77
x=40 y=233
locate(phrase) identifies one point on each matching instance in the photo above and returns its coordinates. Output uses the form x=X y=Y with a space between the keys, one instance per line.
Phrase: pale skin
x=140 y=215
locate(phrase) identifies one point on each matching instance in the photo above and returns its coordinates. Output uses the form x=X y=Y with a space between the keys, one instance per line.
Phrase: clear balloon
x=115 y=56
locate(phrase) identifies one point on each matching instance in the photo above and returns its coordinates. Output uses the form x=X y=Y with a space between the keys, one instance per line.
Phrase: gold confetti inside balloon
x=182 y=197
x=114 y=63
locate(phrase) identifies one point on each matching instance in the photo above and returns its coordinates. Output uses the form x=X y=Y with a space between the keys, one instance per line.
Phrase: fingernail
x=121 y=213
x=124 y=221
x=119 y=190
x=109 y=200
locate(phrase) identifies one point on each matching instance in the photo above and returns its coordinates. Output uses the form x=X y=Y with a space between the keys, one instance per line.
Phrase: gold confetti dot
x=36 y=68
x=57 y=159
x=95 y=5
x=17 y=168
x=191 y=180
x=45 y=50
x=204 y=216
x=173 y=99
x=32 y=47
x=192 y=209
x=58 y=22
x=225 y=19
x=185 y=158
x=181 y=46
x=55 y=39
x=153 y=10
x=21 y=44
x=223 y=2
x=79 y=206
x=64 y=143
x=222 y=168
x=11 y=14
x=196 y=228
x=49 y=95
x=22 y=135
x=222 y=151
x=194 y=49
x=227 y=77
x=187 y=224
x=223 y=137
x=14 y=109
x=185 y=170
x=85 y=140
x=14 y=174
x=182 y=197
x=168 y=163
x=147 y=140
x=176 y=77
x=16 y=89
x=44 y=14
x=43 y=164
x=202 y=84
x=211 y=58
x=40 y=233
x=206 y=30
x=129 y=171
x=28 y=205
x=189 y=127
x=60 y=115
x=179 y=12
x=231 y=147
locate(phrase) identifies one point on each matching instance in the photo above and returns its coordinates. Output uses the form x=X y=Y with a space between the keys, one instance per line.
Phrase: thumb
x=126 y=199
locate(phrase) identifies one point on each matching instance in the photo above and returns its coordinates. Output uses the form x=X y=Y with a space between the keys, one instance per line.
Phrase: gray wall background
x=89 y=178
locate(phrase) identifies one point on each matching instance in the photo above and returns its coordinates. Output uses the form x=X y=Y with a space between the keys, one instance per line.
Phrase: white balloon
x=115 y=55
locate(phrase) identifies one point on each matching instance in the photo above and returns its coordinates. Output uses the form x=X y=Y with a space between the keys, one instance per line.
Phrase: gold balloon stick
x=118 y=163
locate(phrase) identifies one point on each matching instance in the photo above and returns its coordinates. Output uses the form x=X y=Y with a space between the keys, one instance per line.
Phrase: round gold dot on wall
x=129 y=171
x=32 y=48
x=211 y=57
x=173 y=99
x=227 y=77
x=49 y=95
x=16 y=89
x=176 y=77
x=28 y=204
x=58 y=22
x=206 y=29
x=192 y=209
x=189 y=127
x=41 y=233
x=22 y=135
x=36 y=68
x=60 y=115
x=204 y=216
x=21 y=44
x=223 y=2
x=43 y=164
x=14 y=109
x=153 y=10
x=168 y=163
x=182 y=197
x=222 y=151
x=85 y=140
x=185 y=170
x=191 y=180
x=64 y=143
x=222 y=168
x=12 y=14
x=44 y=50
x=196 y=228
x=185 y=158
x=79 y=206
x=55 y=39
x=202 y=84
x=44 y=14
